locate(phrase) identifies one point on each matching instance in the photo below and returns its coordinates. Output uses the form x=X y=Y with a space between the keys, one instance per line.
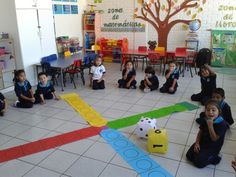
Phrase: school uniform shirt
x=45 y=89
x=22 y=88
x=2 y=98
x=97 y=72
x=226 y=112
x=129 y=75
x=220 y=127
x=208 y=84
x=174 y=75
x=155 y=82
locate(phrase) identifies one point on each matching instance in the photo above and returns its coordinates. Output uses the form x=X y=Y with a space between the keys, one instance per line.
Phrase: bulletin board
x=223 y=48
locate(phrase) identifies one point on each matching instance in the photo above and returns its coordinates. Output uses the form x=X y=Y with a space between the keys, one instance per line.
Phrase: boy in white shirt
x=97 y=74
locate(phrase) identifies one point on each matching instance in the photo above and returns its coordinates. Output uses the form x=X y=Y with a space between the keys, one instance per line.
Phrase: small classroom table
x=61 y=63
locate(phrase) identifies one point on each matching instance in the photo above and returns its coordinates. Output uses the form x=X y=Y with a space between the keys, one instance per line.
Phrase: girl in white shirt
x=97 y=74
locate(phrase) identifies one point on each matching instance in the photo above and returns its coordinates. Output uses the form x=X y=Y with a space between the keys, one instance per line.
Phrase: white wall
x=177 y=35
x=9 y=25
x=70 y=24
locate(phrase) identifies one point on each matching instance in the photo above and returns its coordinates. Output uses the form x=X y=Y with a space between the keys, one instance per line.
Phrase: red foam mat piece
x=48 y=143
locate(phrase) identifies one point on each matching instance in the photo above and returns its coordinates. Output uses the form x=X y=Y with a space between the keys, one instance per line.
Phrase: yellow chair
x=160 y=50
x=157 y=141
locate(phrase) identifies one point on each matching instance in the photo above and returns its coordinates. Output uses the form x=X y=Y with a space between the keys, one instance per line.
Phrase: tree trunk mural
x=152 y=10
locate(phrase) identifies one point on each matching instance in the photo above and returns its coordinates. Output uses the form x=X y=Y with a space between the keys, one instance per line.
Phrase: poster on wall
x=74 y=9
x=224 y=48
x=66 y=9
x=57 y=9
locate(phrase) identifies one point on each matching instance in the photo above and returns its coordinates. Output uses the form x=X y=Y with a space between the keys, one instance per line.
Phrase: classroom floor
x=93 y=157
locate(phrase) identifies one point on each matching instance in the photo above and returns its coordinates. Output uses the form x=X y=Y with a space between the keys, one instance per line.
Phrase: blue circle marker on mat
x=121 y=143
x=112 y=135
x=156 y=174
x=131 y=153
x=144 y=164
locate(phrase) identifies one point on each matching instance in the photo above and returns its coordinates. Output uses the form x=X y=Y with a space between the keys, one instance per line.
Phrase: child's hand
x=234 y=164
x=100 y=80
x=128 y=85
x=209 y=122
x=171 y=89
x=32 y=99
x=196 y=147
x=57 y=98
x=43 y=102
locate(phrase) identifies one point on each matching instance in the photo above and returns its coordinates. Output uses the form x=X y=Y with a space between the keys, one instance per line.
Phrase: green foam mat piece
x=162 y=112
x=189 y=106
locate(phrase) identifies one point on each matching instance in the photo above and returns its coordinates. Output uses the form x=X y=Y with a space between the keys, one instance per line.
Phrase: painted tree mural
x=161 y=14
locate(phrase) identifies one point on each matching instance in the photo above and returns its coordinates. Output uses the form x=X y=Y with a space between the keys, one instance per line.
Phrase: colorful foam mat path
x=87 y=112
x=134 y=156
x=162 y=112
x=47 y=143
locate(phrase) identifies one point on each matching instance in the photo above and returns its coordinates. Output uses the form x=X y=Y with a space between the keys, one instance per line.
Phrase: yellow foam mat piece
x=87 y=112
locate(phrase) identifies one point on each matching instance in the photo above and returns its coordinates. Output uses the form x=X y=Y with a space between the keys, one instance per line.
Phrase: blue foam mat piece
x=133 y=155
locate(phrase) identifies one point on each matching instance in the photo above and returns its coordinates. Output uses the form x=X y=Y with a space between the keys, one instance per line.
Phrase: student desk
x=133 y=53
x=61 y=63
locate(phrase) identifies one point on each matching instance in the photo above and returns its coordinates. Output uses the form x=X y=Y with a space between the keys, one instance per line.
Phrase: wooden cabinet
x=7 y=63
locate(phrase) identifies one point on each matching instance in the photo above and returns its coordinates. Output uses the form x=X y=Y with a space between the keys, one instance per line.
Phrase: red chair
x=75 y=68
x=191 y=62
x=155 y=59
x=143 y=58
x=180 y=57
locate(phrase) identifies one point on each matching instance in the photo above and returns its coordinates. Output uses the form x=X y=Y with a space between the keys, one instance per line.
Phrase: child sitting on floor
x=45 y=89
x=3 y=104
x=150 y=81
x=128 y=76
x=219 y=96
x=210 y=137
x=172 y=75
x=23 y=91
x=208 y=84
x=97 y=74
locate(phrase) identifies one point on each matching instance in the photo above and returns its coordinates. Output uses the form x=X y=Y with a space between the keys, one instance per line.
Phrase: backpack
x=203 y=57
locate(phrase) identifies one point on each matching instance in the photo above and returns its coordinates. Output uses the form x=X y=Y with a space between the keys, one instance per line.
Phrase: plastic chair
x=51 y=71
x=191 y=62
x=180 y=57
x=155 y=59
x=75 y=68
x=162 y=52
x=143 y=58
x=116 y=54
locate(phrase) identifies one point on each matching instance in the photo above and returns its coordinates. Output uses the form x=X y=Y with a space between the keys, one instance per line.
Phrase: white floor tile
x=14 y=129
x=38 y=157
x=116 y=171
x=33 y=134
x=186 y=169
x=170 y=165
x=14 y=168
x=223 y=174
x=38 y=172
x=79 y=147
x=100 y=151
x=50 y=124
x=86 y=167
x=179 y=125
x=59 y=161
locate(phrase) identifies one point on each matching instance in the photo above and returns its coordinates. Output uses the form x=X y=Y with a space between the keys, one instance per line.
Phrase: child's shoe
x=15 y=104
x=133 y=87
x=146 y=90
